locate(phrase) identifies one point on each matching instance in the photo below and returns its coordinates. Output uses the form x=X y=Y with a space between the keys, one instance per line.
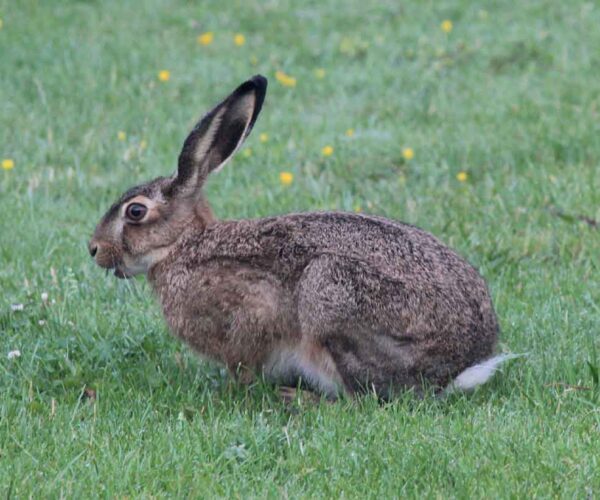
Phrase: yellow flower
x=462 y=176
x=206 y=38
x=253 y=60
x=346 y=45
x=8 y=164
x=320 y=73
x=143 y=144
x=263 y=137
x=446 y=26
x=357 y=208
x=239 y=39
x=353 y=46
x=121 y=135
x=286 y=178
x=327 y=151
x=247 y=153
x=164 y=75
x=350 y=132
x=285 y=80
x=408 y=154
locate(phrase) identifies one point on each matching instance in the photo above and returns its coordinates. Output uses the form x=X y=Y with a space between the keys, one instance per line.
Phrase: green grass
x=511 y=96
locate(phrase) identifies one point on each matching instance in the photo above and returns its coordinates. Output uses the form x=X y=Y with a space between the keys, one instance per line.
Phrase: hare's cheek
x=135 y=240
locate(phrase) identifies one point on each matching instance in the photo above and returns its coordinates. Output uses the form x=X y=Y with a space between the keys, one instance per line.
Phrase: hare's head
x=138 y=230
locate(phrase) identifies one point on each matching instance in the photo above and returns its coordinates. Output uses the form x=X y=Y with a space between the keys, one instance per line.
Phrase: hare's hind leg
x=348 y=312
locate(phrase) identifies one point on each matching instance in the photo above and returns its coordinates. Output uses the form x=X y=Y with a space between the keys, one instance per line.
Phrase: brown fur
x=343 y=301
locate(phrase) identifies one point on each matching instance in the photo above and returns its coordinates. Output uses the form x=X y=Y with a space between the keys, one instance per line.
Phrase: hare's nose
x=93 y=248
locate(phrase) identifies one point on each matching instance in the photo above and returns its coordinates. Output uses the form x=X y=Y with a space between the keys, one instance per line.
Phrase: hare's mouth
x=119 y=273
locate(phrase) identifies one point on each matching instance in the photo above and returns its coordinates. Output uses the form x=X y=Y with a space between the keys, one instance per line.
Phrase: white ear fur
x=203 y=145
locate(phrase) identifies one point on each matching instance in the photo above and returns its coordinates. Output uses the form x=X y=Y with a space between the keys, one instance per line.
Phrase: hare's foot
x=291 y=395
x=242 y=374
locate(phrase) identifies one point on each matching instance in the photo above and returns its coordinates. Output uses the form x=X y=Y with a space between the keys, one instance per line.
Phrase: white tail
x=480 y=373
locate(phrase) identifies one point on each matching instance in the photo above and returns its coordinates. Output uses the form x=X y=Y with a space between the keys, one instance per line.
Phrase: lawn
x=501 y=110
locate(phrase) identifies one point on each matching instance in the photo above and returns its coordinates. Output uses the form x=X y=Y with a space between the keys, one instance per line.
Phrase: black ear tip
x=257 y=83
x=260 y=81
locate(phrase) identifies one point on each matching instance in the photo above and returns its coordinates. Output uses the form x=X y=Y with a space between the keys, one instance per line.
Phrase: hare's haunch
x=342 y=302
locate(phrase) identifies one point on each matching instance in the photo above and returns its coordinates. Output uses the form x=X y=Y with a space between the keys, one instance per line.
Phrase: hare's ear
x=218 y=135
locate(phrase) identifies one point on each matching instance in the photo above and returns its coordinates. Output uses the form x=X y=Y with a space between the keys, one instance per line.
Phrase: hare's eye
x=136 y=212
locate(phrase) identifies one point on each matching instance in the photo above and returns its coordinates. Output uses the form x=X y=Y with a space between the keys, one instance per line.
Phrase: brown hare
x=342 y=302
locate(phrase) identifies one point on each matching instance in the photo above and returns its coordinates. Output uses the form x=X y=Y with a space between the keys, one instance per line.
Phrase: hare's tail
x=480 y=373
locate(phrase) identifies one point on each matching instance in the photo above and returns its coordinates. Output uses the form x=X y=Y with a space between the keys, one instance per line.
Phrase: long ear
x=219 y=134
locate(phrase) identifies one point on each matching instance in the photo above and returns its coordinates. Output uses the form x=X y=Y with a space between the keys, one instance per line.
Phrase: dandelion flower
x=44 y=296
x=408 y=154
x=285 y=80
x=357 y=208
x=164 y=75
x=286 y=178
x=239 y=39
x=247 y=153
x=320 y=73
x=14 y=354
x=350 y=132
x=121 y=135
x=206 y=38
x=143 y=144
x=327 y=151
x=263 y=137
x=462 y=176
x=8 y=164
x=346 y=45
x=446 y=26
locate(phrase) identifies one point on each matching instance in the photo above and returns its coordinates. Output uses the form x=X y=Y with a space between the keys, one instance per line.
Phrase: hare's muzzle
x=93 y=248
x=107 y=256
x=104 y=253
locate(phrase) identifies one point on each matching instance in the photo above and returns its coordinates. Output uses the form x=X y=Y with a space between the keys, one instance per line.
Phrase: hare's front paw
x=291 y=395
x=242 y=374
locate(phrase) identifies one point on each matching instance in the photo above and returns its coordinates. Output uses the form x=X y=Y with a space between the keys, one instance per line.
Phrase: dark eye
x=136 y=212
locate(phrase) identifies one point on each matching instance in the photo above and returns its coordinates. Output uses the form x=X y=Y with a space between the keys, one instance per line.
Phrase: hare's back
x=286 y=244
x=393 y=248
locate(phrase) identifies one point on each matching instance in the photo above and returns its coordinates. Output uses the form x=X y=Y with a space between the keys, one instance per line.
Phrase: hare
x=341 y=302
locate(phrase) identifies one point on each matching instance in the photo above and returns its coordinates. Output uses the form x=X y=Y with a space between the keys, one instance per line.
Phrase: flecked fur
x=351 y=302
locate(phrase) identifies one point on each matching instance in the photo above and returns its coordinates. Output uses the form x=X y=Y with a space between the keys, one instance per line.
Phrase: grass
x=510 y=96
